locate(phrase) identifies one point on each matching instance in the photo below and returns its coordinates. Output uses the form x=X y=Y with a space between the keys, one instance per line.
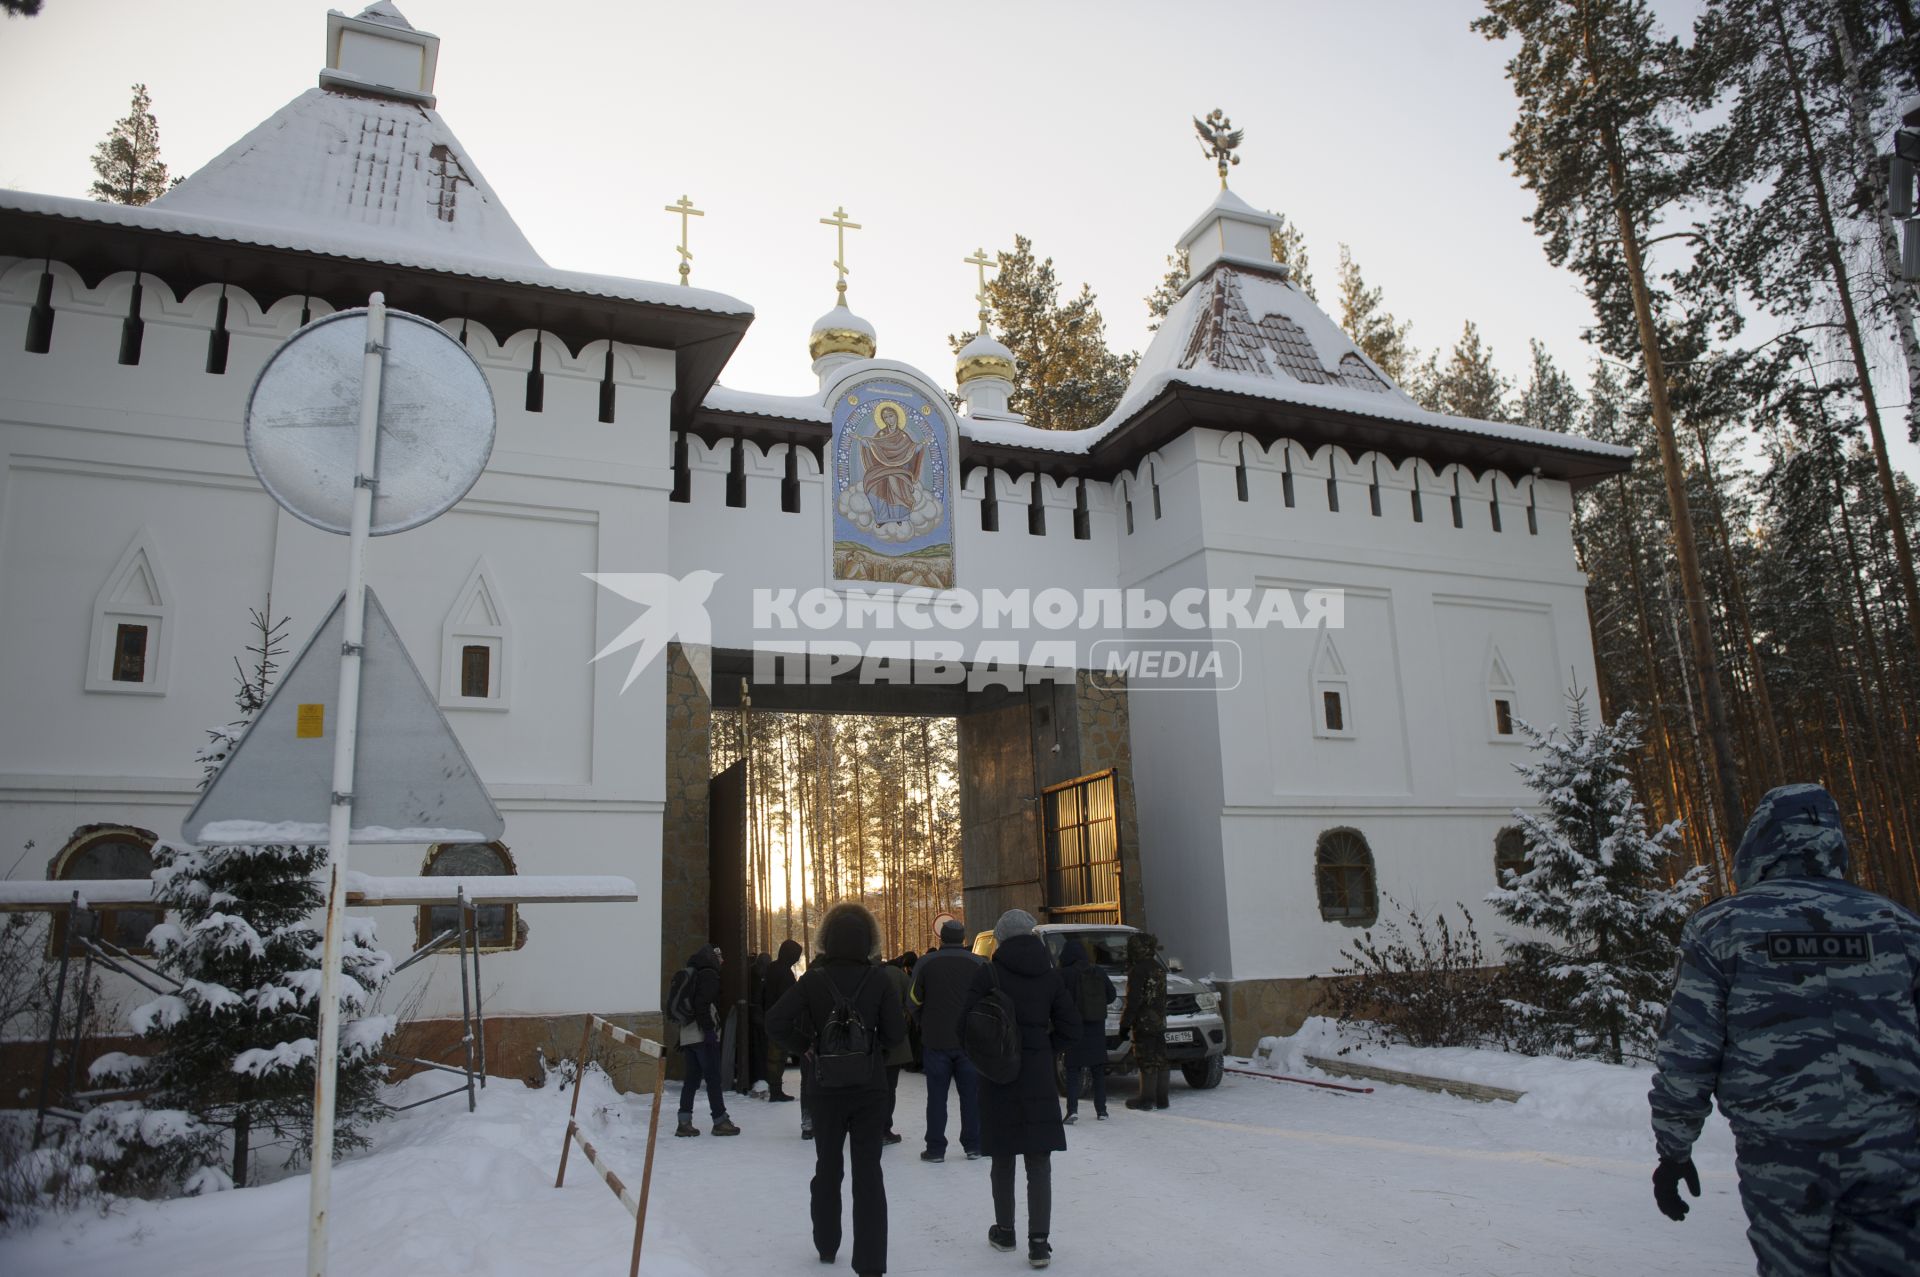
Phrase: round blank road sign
x=436 y=422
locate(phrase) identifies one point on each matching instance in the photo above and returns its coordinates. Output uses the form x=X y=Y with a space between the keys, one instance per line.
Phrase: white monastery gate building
x=1253 y=820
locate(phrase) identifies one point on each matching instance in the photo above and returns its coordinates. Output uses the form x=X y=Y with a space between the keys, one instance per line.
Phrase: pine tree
x=1549 y=400
x=128 y=158
x=1467 y=385
x=1167 y=291
x=1364 y=317
x=234 y=1061
x=1067 y=379
x=20 y=8
x=1597 y=142
x=1596 y=885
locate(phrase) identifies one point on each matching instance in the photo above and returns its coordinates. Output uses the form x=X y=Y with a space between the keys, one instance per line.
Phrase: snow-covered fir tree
x=1596 y=891
x=233 y=1065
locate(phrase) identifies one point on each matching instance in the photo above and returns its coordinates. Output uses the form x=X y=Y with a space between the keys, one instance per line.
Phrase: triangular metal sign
x=412 y=783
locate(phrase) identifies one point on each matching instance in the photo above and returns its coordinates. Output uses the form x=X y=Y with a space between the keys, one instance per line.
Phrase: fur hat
x=1014 y=922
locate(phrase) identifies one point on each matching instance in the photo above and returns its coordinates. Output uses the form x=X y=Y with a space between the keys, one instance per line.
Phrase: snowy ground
x=1259 y=1176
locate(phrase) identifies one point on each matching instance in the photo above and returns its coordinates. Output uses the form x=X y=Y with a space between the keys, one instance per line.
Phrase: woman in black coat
x=852 y=1116
x=1087 y=984
x=1021 y=1118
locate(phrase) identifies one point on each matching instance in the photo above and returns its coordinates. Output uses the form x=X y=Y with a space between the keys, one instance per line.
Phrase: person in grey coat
x=1020 y=1120
x=1796 y=1006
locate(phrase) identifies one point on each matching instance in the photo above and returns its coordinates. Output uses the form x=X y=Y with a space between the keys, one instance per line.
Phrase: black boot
x=1000 y=1237
x=1039 y=1254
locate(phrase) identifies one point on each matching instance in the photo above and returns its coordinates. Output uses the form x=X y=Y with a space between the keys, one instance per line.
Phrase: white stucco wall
x=94 y=453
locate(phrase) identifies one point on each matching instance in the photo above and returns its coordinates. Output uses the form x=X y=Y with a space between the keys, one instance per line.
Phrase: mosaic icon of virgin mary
x=891 y=520
x=890 y=464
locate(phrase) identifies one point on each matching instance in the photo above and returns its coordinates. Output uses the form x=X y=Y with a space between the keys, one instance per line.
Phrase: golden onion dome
x=983 y=357
x=841 y=332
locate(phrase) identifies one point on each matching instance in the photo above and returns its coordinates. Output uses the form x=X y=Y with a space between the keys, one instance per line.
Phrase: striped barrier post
x=636 y=1207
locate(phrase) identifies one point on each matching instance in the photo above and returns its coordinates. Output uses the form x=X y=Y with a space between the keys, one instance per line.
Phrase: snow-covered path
x=1257 y=1177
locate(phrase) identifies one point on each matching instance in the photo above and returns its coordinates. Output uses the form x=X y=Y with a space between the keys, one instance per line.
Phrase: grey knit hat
x=1014 y=922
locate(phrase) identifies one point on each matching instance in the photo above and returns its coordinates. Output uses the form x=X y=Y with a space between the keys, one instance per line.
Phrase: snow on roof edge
x=356 y=248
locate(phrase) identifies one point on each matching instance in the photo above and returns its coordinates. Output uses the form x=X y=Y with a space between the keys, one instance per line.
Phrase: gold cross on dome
x=686 y=210
x=981 y=261
x=841 y=226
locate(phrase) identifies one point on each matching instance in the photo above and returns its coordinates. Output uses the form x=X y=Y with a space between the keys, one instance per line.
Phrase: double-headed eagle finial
x=1218 y=138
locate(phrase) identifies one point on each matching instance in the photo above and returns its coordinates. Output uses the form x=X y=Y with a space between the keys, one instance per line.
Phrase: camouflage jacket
x=1796 y=998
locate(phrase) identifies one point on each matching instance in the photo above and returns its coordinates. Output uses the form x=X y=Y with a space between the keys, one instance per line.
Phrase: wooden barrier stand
x=637 y=1209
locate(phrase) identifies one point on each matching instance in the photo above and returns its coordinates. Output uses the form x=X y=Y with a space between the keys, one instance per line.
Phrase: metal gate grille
x=1083 y=850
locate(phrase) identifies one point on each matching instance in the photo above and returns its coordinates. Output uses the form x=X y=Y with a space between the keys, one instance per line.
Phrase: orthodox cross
x=841 y=226
x=1218 y=138
x=686 y=210
x=981 y=261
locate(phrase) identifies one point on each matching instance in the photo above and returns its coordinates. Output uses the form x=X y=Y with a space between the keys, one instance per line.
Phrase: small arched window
x=1510 y=853
x=1343 y=872
x=97 y=852
x=500 y=928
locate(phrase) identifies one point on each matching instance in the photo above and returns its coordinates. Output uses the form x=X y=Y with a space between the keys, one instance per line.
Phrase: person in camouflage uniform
x=1796 y=1006
x=1145 y=1016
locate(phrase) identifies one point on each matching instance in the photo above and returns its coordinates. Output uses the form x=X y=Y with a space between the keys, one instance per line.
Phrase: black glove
x=1666 y=1185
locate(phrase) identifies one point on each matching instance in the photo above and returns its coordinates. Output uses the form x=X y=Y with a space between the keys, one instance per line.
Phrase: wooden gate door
x=1083 y=851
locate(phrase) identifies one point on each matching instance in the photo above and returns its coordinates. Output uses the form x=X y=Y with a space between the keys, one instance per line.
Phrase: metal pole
x=466 y=1002
x=479 y=1006
x=573 y=1113
x=340 y=816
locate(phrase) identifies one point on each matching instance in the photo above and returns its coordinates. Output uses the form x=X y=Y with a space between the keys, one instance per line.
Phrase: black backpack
x=1091 y=995
x=991 y=1035
x=844 y=1054
x=680 y=996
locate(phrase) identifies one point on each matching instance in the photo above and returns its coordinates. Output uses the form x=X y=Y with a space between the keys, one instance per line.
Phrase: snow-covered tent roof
x=360 y=185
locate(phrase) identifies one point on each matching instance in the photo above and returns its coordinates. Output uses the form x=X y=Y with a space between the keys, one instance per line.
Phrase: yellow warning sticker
x=310 y=721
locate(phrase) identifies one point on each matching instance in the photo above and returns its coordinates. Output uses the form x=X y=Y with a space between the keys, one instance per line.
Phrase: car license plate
x=1179 y=1035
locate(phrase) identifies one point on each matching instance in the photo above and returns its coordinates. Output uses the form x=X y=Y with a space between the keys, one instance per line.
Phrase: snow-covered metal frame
x=636 y=1207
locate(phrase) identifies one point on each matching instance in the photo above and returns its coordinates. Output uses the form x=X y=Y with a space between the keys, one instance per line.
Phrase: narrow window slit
x=1373 y=493
x=1126 y=505
x=40 y=318
x=133 y=329
x=1153 y=479
x=1419 y=515
x=737 y=476
x=990 y=502
x=1036 y=508
x=606 y=389
x=1286 y=484
x=1240 y=473
x=536 y=381
x=682 y=475
x=1082 y=519
x=1333 y=495
x=1533 y=521
x=790 y=481
x=218 y=340
x=1458 y=520
x=1493 y=510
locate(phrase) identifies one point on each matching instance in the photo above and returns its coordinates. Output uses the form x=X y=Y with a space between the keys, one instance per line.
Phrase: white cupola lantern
x=379 y=52
x=1234 y=231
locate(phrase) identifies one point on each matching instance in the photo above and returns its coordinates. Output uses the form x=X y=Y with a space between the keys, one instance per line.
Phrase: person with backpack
x=1092 y=990
x=938 y=996
x=846 y=1013
x=1145 y=1017
x=693 y=1004
x=1019 y=1107
x=779 y=980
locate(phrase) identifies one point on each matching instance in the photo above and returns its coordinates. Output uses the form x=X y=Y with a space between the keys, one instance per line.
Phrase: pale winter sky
x=940 y=128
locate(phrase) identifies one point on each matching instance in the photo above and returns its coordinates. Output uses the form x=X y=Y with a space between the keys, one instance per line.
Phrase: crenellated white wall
x=95 y=453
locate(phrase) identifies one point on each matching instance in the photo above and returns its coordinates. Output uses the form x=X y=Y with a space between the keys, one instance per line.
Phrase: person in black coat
x=1087 y=984
x=779 y=980
x=700 y=1045
x=1021 y=1118
x=855 y=1115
